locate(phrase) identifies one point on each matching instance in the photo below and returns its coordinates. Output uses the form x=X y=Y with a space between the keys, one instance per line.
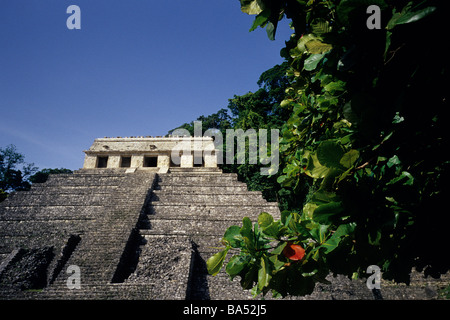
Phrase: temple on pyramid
x=138 y=221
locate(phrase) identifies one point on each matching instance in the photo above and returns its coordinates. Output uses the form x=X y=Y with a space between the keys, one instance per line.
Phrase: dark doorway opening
x=125 y=162
x=102 y=162
x=150 y=162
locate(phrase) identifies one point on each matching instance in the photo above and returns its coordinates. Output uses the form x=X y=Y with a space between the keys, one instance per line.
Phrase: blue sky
x=136 y=67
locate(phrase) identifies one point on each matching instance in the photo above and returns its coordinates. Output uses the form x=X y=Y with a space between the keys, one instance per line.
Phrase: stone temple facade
x=138 y=221
x=139 y=153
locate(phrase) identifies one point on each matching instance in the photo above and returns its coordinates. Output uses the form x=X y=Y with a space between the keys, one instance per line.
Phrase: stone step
x=196 y=170
x=186 y=178
x=101 y=171
x=212 y=214
x=45 y=188
x=96 y=181
x=68 y=199
x=46 y=212
x=189 y=227
x=196 y=184
x=199 y=216
x=64 y=193
x=195 y=174
x=202 y=189
x=208 y=198
x=157 y=208
x=101 y=178
x=152 y=290
x=28 y=227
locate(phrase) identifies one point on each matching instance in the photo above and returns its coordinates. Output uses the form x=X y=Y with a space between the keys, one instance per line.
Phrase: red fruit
x=293 y=252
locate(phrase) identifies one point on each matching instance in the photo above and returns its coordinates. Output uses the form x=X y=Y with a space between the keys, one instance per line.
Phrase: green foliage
x=263 y=267
x=445 y=292
x=366 y=134
x=16 y=175
x=14 y=172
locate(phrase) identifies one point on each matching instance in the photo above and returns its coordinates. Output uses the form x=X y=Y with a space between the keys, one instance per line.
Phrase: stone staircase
x=98 y=210
x=136 y=235
x=194 y=210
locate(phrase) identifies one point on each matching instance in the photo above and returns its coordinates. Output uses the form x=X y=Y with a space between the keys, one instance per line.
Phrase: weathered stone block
x=186 y=161
x=137 y=161
x=113 y=161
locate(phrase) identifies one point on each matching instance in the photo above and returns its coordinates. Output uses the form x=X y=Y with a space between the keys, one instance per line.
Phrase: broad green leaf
x=274 y=229
x=346 y=139
x=285 y=216
x=271 y=29
x=268 y=226
x=246 y=229
x=261 y=19
x=334 y=86
x=329 y=154
x=279 y=248
x=264 y=273
x=320 y=27
x=325 y=212
x=408 y=16
x=415 y=16
x=329 y=180
x=312 y=61
x=247 y=233
x=394 y=160
x=264 y=220
x=277 y=264
x=252 y=6
x=284 y=103
x=301 y=43
x=349 y=158
x=342 y=231
x=298 y=227
x=250 y=276
x=214 y=263
x=308 y=209
x=314 y=169
x=322 y=196
x=318 y=47
x=232 y=236
x=237 y=264
x=331 y=244
x=319 y=232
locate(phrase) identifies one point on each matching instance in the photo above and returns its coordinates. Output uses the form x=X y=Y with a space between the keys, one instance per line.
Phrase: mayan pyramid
x=135 y=223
